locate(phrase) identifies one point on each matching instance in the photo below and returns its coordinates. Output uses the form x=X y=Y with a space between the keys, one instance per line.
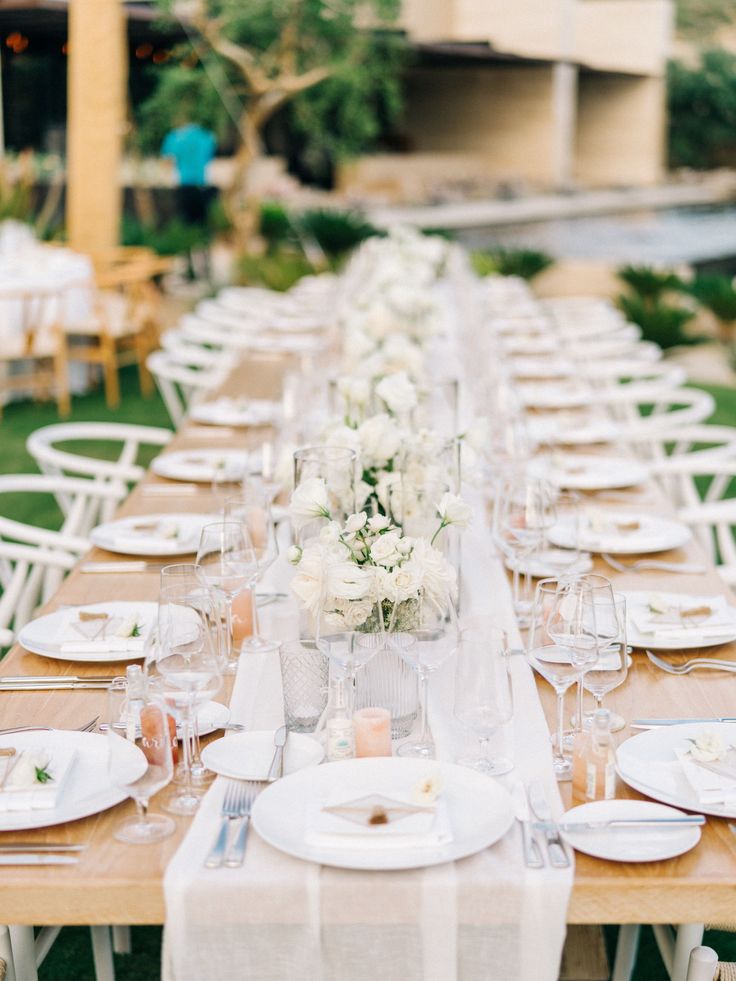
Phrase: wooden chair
x=122 y=327
x=32 y=349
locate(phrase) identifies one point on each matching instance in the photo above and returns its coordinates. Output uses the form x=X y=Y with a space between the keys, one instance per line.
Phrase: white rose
x=454 y=511
x=405 y=583
x=398 y=392
x=309 y=501
x=356 y=521
x=330 y=534
x=309 y=582
x=708 y=747
x=380 y=439
x=294 y=554
x=378 y=522
x=348 y=581
x=355 y=391
x=437 y=576
x=383 y=550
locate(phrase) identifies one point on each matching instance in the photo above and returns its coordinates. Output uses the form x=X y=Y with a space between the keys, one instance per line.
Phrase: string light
x=17 y=42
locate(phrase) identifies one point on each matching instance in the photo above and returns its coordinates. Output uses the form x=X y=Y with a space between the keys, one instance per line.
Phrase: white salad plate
x=572 y=429
x=248 y=755
x=86 y=790
x=616 y=533
x=578 y=471
x=42 y=635
x=203 y=466
x=152 y=534
x=551 y=562
x=648 y=763
x=479 y=811
x=628 y=844
x=235 y=412
x=687 y=635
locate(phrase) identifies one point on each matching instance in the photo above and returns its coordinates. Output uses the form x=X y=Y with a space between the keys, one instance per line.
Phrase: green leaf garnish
x=43 y=775
x=137 y=629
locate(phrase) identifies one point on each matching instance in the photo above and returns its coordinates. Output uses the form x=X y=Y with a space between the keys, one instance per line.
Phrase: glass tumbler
x=305 y=671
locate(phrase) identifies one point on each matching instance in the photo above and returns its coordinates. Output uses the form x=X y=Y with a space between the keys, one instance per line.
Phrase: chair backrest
x=119 y=473
x=33 y=560
x=183 y=350
x=182 y=385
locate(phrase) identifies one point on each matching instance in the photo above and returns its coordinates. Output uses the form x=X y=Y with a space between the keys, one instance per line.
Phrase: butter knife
x=533 y=858
x=654 y=723
x=276 y=770
x=558 y=857
x=573 y=827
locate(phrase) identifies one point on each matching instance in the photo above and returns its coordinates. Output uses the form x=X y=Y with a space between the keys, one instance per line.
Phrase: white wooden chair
x=182 y=385
x=673 y=411
x=123 y=439
x=33 y=561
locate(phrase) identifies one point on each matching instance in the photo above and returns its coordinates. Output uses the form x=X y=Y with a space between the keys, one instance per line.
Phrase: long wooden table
x=116 y=883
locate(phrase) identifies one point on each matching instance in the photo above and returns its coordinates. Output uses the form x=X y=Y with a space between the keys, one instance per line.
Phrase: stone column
x=97 y=84
x=564 y=114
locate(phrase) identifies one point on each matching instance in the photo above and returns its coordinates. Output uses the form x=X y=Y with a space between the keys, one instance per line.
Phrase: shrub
x=526 y=263
x=662 y=323
x=276 y=227
x=717 y=294
x=336 y=232
x=649 y=284
x=277 y=270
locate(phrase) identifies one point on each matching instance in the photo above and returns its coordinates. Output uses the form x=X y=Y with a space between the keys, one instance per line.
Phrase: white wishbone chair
x=182 y=385
x=119 y=473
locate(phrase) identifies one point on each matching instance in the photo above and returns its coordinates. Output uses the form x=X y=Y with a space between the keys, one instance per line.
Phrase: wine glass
x=171 y=575
x=553 y=662
x=227 y=564
x=256 y=519
x=483 y=694
x=139 y=758
x=602 y=628
x=523 y=514
x=434 y=641
x=189 y=664
x=348 y=651
x=226 y=479
x=613 y=665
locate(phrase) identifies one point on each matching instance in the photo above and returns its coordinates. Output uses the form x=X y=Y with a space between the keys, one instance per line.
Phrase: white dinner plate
x=552 y=562
x=248 y=755
x=572 y=430
x=637 y=602
x=648 y=763
x=87 y=790
x=628 y=844
x=235 y=412
x=202 y=466
x=530 y=344
x=578 y=471
x=654 y=534
x=129 y=536
x=41 y=636
x=480 y=811
x=549 y=367
x=210 y=717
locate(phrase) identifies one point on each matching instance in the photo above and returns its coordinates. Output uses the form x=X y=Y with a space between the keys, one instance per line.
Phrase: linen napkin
x=91 y=634
x=689 y=618
x=237 y=411
x=155 y=535
x=710 y=788
x=26 y=796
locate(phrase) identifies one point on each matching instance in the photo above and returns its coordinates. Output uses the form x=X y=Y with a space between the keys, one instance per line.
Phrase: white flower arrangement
x=347 y=574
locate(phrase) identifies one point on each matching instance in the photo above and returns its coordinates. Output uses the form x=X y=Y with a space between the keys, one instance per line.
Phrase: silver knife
x=37 y=858
x=122 y=566
x=558 y=857
x=533 y=858
x=653 y=723
x=59 y=686
x=25 y=846
x=572 y=827
x=276 y=770
x=44 y=679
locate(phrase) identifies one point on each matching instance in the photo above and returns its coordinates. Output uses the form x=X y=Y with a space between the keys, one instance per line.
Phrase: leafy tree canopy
x=702 y=111
x=700 y=19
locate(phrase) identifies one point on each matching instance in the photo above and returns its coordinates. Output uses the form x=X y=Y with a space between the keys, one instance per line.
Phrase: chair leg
x=102 y=953
x=627 y=947
x=703 y=964
x=142 y=349
x=61 y=375
x=24 y=953
x=110 y=369
x=689 y=935
x=6 y=953
x=121 y=942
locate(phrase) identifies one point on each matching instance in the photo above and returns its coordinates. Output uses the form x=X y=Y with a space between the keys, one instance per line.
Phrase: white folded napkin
x=112 y=635
x=429 y=828
x=164 y=533
x=29 y=796
x=252 y=411
x=669 y=625
x=710 y=788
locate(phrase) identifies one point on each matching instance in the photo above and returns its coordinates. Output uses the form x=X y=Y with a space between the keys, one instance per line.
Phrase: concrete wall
x=624 y=35
x=620 y=130
x=502 y=114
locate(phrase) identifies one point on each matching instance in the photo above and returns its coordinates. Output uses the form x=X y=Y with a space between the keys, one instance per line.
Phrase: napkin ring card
x=375 y=809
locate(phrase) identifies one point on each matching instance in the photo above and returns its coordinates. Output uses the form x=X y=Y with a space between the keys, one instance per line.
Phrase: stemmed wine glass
x=551 y=658
x=227 y=477
x=613 y=665
x=139 y=757
x=483 y=694
x=348 y=651
x=190 y=667
x=227 y=564
x=602 y=629
x=256 y=519
x=524 y=513
x=434 y=641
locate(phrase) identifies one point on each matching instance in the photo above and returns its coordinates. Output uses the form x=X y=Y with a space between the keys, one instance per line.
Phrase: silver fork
x=87 y=727
x=653 y=564
x=232 y=805
x=692 y=665
x=236 y=854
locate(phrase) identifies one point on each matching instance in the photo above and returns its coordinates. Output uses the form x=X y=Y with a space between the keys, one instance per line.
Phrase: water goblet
x=613 y=665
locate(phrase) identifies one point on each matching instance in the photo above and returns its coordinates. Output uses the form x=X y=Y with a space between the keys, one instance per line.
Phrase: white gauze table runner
x=485 y=918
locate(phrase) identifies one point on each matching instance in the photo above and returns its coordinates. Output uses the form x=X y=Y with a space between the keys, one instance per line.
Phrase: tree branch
x=243 y=59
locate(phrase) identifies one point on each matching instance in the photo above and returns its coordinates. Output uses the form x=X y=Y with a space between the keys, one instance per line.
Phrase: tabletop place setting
x=402 y=628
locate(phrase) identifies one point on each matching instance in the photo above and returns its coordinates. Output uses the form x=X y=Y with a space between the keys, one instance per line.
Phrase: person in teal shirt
x=191 y=147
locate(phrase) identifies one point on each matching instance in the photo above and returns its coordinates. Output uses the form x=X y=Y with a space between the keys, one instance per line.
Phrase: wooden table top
x=118 y=883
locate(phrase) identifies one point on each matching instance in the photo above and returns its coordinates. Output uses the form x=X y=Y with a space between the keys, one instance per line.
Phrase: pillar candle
x=372 y=732
x=242 y=617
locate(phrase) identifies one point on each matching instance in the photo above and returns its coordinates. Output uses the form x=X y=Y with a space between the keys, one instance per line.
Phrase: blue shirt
x=192 y=148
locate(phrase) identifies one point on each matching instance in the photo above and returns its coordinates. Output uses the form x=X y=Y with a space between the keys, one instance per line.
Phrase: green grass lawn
x=71 y=958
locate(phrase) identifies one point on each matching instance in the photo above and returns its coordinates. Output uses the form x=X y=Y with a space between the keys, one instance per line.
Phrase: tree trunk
x=241 y=202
